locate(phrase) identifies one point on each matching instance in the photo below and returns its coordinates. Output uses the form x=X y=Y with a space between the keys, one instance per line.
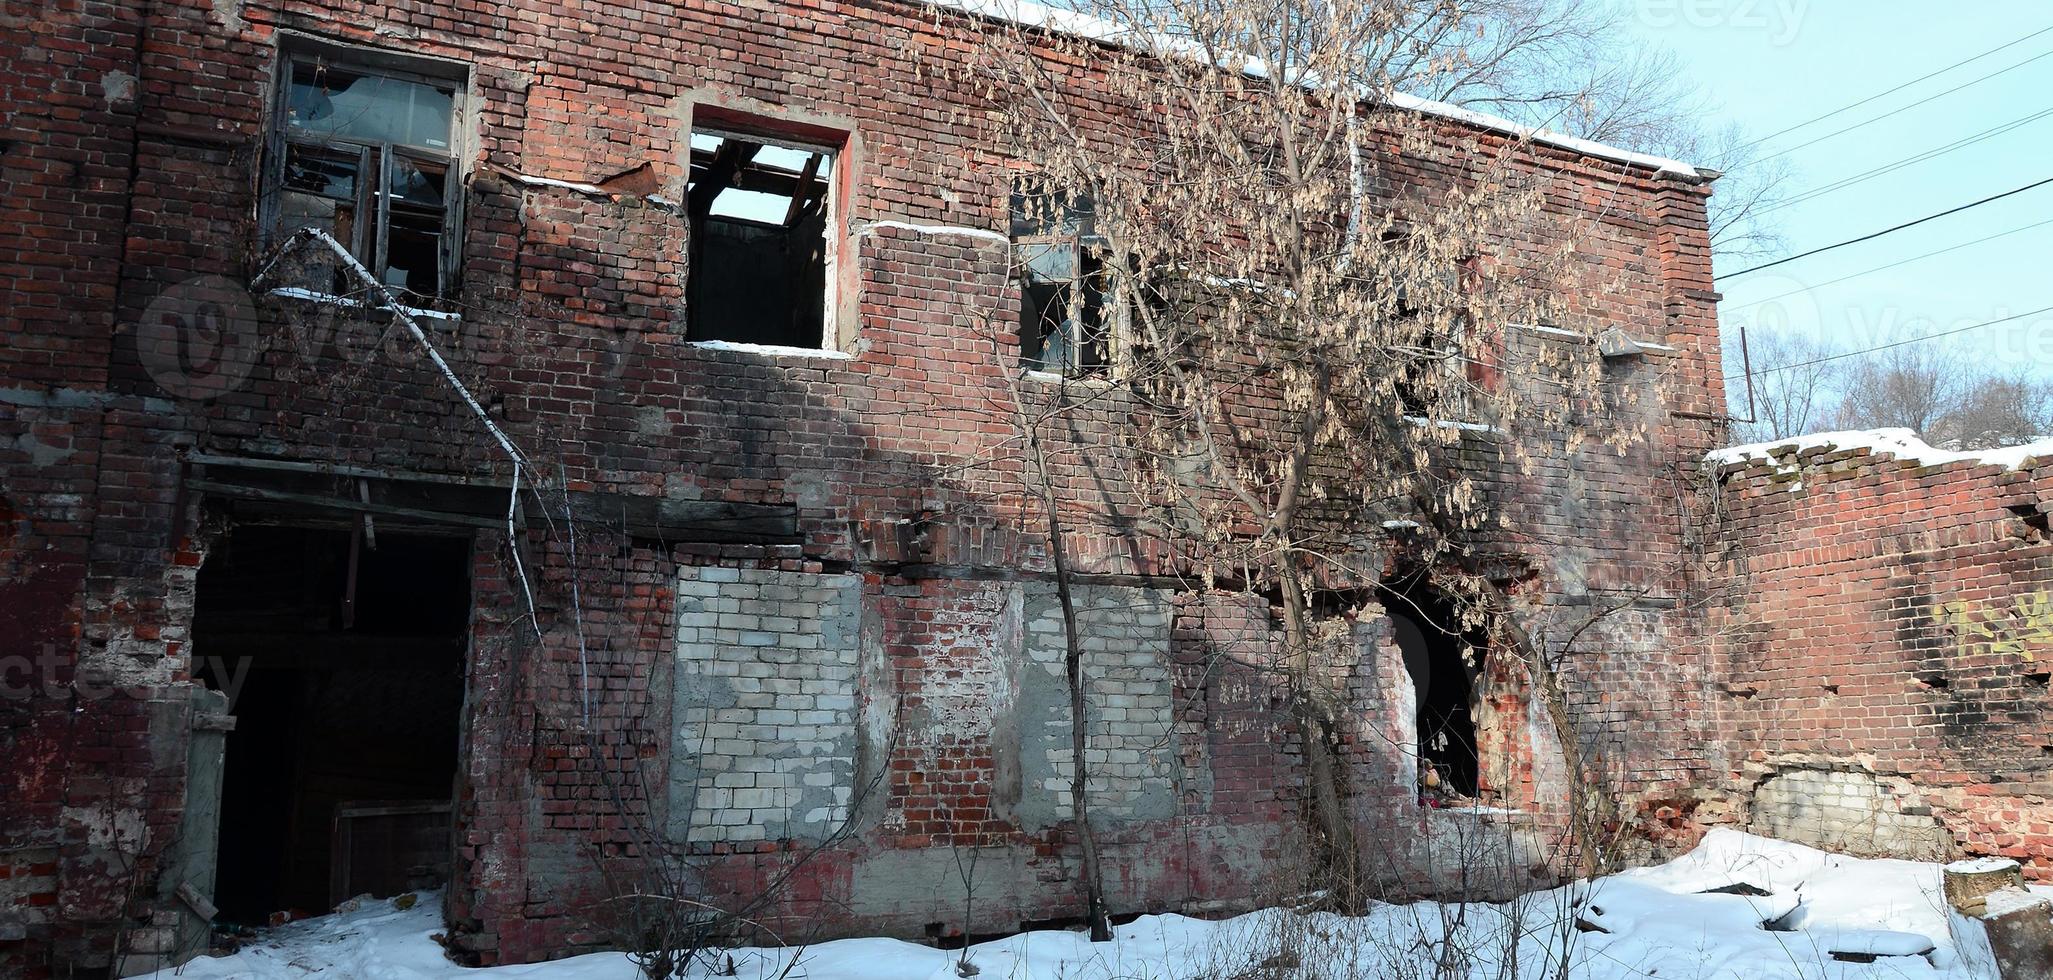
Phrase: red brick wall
x=571 y=335
x=1892 y=629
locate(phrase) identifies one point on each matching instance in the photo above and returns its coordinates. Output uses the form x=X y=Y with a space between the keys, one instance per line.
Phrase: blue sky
x=1770 y=64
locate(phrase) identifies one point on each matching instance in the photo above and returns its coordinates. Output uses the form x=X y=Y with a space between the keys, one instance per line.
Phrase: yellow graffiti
x=2019 y=630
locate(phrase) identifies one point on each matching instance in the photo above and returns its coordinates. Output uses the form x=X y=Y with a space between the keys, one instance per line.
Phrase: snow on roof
x=1903 y=444
x=1027 y=13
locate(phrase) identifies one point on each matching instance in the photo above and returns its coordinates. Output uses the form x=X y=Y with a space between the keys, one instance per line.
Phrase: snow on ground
x=1661 y=922
x=1904 y=444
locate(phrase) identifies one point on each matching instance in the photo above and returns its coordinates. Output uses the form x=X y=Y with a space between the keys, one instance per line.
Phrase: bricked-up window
x=1068 y=303
x=364 y=150
x=761 y=258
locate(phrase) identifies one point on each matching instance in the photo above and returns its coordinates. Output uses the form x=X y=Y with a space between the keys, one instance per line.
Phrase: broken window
x=761 y=258
x=366 y=154
x=1068 y=303
x=1435 y=371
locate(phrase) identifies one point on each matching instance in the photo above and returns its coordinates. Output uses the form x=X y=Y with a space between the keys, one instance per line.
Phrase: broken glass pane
x=1038 y=213
x=337 y=102
x=416 y=182
x=413 y=257
x=337 y=218
x=320 y=171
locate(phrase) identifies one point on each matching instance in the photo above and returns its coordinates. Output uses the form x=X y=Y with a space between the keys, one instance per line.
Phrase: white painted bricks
x=1129 y=704
x=765 y=713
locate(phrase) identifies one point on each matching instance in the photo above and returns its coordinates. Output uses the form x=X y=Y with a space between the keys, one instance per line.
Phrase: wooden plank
x=474 y=503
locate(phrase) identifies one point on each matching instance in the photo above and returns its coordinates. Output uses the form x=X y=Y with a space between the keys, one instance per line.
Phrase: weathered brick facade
x=132 y=148
x=1888 y=654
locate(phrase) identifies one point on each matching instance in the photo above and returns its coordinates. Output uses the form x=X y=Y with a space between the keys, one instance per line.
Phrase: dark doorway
x=1444 y=661
x=344 y=663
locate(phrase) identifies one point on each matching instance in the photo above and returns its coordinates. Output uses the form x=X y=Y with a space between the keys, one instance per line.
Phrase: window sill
x=326 y=299
x=1422 y=422
x=1056 y=377
x=772 y=350
x=1541 y=328
x=1475 y=811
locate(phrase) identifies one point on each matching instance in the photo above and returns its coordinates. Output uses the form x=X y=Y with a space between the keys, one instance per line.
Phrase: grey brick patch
x=1846 y=811
x=764 y=738
x=1129 y=706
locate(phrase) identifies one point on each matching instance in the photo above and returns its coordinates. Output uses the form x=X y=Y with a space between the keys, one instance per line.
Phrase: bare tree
x=1310 y=329
x=2001 y=411
x=1029 y=424
x=1912 y=386
x=1789 y=389
x=1575 y=67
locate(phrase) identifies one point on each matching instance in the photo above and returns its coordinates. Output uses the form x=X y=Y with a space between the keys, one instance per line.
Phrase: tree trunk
x=1333 y=833
x=1073 y=671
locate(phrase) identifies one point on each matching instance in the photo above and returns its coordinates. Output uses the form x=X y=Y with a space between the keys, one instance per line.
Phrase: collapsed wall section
x=1885 y=652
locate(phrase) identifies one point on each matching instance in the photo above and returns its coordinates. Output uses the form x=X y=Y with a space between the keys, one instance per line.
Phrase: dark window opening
x=1444 y=661
x=1434 y=369
x=344 y=664
x=1068 y=306
x=366 y=155
x=761 y=258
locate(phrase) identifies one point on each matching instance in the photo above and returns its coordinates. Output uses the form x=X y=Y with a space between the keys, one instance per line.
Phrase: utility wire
x=1901 y=343
x=1904 y=108
x=1912 y=160
x=1892 y=91
x=1892 y=265
x=1886 y=231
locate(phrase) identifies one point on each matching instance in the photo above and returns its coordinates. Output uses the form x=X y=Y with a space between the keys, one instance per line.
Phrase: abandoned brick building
x=719 y=269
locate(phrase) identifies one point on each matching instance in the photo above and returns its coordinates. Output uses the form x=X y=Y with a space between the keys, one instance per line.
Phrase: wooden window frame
x=1111 y=302
x=370 y=240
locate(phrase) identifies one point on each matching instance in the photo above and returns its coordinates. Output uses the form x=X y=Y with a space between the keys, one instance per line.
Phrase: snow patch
x=1903 y=444
x=311 y=296
x=937 y=230
x=1982 y=865
x=1422 y=422
x=1664 y=921
x=772 y=350
x=2004 y=901
x=1552 y=331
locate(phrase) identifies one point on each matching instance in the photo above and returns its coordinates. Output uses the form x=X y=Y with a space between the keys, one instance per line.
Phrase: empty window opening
x=365 y=154
x=1444 y=662
x=344 y=665
x=761 y=257
x=1068 y=302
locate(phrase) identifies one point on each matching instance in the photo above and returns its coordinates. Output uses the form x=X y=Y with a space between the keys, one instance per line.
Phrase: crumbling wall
x=1885 y=649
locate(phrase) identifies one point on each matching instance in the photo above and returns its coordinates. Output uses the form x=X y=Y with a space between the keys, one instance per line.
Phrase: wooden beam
x=329 y=489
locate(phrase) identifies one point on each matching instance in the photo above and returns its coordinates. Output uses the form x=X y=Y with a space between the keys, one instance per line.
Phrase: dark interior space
x=1444 y=661
x=758 y=255
x=343 y=655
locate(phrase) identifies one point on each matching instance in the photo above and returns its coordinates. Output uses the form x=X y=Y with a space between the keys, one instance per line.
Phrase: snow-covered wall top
x=1039 y=16
x=1903 y=444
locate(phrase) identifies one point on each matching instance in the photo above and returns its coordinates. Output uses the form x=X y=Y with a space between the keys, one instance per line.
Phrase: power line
x=1911 y=160
x=1901 y=343
x=1887 y=231
x=1905 y=108
x=1892 y=91
x=1892 y=265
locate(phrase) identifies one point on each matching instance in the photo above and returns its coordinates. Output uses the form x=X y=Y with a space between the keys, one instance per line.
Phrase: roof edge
x=1026 y=13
